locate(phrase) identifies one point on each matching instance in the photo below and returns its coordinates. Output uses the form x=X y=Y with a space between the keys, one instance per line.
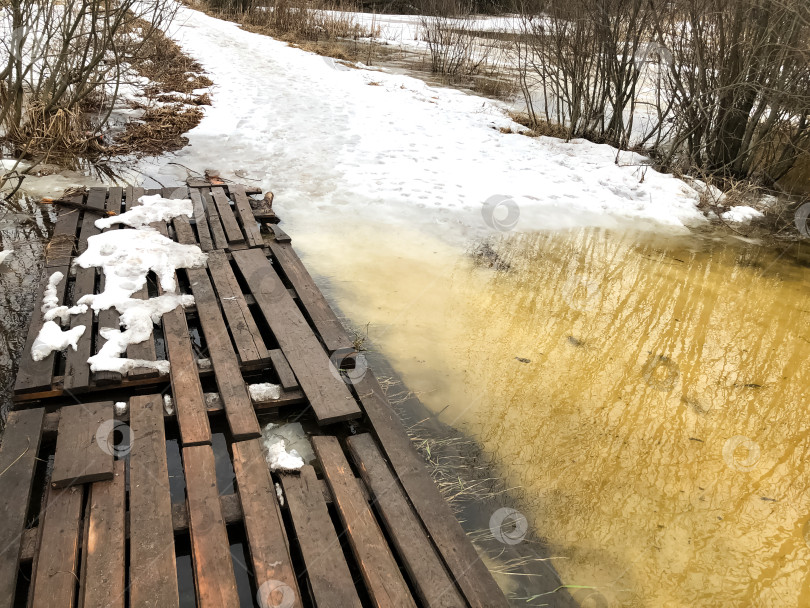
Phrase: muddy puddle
x=645 y=395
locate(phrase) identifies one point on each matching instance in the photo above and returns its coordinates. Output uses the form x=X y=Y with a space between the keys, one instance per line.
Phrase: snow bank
x=741 y=214
x=287 y=446
x=264 y=391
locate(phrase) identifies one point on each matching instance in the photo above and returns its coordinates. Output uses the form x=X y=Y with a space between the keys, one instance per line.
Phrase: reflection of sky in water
x=648 y=394
x=24 y=228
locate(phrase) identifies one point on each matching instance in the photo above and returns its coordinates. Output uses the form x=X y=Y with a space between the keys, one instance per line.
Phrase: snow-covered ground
x=363 y=144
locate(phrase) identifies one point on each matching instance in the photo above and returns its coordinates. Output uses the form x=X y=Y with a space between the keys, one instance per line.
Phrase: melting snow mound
x=287 y=447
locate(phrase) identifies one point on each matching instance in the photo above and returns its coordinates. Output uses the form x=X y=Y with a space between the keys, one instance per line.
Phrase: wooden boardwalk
x=157 y=507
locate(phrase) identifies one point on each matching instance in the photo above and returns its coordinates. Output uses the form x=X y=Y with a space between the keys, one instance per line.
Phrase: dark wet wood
x=211 y=555
x=265 y=529
x=214 y=223
x=425 y=568
x=60 y=250
x=152 y=570
x=18 y=460
x=282 y=368
x=328 y=574
x=245 y=216
x=84 y=445
x=201 y=221
x=328 y=395
x=378 y=567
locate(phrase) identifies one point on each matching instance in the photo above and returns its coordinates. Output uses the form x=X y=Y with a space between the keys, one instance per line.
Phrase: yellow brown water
x=648 y=394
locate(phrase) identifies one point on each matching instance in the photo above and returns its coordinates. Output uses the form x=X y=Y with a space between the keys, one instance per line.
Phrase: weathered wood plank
x=79 y=457
x=18 y=461
x=153 y=568
x=33 y=376
x=427 y=572
x=282 y=367
x=245 y=215
x=323 y=318
x=60 y=250
x=232 y=230
x=329 y=576
x=328 y=395
x=265 y=529
x=214 y=223
x=56 y=574
x=249 y=343
x=232 y=389
x=378 y=567
x=104 y=547
x=200 y=221
x=279 y=235
x=466 y=567
x=214 y=579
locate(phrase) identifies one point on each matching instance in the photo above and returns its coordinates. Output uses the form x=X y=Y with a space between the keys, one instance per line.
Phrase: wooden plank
x=329 y=576
x=79 y=457
x=108 y=318
x=249 y=343
x=245 y=215
x=232 y=230
x=33 y=375
x=104 y=547
x=59 y=251
x=77 y=370
x=323 y=318
x=282 y=367
x=279 y=235
x=200 y=221
x=183 y=231
x=328 y=395
x=214 y=579
x=18 y=461
x=427 y=572
x=379 y=569
x=264 y=527
x=232 y=389
x=56 y=574
x=153 y=568
x=466 y=567
x=211 y=213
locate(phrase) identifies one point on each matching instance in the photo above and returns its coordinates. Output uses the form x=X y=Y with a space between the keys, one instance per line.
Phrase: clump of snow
x=50 y=298
x=152 y=209
x=121 y=408
x=264 y=391
x=204 y=364
x=168 y=404
x=4 y=254
x=51 y=338
x=741 y=214
x=63 y=312
x=287 y=447
x=212 y=400
x=279 y=494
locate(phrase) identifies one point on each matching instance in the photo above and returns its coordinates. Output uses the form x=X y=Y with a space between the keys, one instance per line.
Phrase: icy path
x=365 y=143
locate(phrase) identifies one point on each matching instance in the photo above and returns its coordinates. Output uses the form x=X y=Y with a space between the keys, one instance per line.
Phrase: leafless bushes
x=716 y=86
x=61 y=66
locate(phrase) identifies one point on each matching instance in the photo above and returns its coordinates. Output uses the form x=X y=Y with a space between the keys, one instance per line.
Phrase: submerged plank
x=56 y=573
x=214 y=579
x=80 y=458
x=378 y=567
x=152 y=570
x=18 y=461
x=327 y=571
x=265 y=529
x=328 y=395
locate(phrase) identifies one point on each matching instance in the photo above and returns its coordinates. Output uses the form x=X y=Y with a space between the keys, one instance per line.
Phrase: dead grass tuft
x=159 y=130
